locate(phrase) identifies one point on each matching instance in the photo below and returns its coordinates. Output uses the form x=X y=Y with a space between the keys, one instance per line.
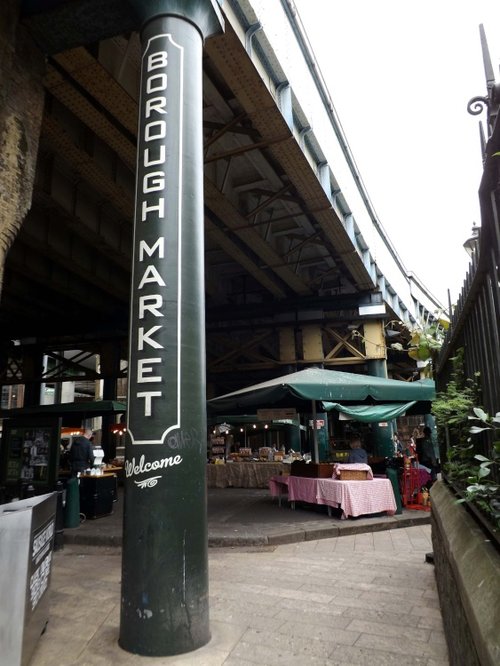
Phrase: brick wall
x=21 y=106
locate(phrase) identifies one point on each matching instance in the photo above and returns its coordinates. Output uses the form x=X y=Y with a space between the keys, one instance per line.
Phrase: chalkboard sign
x=30 y=453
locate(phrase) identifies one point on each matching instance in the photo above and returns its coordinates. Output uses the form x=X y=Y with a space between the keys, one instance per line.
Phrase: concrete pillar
x=21 y=107
x=287 y=345
x=164 y=607
x=374 y=339
x=312 y=344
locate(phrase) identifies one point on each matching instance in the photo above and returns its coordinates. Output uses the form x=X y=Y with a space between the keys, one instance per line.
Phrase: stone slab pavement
x=251 y=517
x=358 y=599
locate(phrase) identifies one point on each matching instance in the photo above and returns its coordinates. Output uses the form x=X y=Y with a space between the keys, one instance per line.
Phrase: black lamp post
x=471 y=245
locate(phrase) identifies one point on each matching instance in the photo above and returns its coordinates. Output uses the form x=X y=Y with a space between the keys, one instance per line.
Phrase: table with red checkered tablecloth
x=355 y=498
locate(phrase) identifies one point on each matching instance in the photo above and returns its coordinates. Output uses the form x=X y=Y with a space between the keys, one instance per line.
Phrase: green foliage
x=453 y=406
x=483 y=488
x=473 y=473
x=425 y=343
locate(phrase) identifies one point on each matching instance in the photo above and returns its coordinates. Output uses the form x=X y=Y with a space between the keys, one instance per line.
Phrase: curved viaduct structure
x=247 y=249
x=298 y=269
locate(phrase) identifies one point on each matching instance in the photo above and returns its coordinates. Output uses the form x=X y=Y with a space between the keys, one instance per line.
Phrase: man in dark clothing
x=81 y=453
x=428 y=454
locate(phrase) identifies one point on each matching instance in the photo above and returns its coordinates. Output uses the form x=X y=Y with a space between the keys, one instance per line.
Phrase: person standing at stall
x=357 y=453
x=81 y=453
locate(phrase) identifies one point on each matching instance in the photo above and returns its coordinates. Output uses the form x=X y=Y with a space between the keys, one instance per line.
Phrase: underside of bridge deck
x=283 y=280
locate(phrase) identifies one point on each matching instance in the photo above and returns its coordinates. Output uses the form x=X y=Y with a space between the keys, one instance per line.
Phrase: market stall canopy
x=84 y=409
x=316 y=384
x=370 y=413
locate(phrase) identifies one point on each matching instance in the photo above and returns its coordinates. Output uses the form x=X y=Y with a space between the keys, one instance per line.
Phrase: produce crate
x=353 y=475
x=311 y=470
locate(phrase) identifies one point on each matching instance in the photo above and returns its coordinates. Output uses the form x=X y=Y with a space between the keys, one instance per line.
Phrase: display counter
x=115 y=469
x=244 y=474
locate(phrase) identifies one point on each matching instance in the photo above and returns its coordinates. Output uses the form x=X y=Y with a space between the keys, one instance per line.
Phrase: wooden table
x=355 y=498
x=243 y=474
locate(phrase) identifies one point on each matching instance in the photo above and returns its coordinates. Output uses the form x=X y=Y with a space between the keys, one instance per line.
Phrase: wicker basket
x=353 y=475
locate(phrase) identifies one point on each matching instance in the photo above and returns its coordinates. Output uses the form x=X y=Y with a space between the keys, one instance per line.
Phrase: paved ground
x=289 y=587
x=357 y=599
x=250 y=517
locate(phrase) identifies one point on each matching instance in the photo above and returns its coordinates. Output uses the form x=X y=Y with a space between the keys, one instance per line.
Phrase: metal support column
x=110 y=369
x=164 y=607
x=375 y=349
x=32 y=374
x=382 y=432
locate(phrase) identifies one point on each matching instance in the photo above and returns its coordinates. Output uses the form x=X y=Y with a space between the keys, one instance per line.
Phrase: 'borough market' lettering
x=151 y=256
x=155 y=324
x=150 y=306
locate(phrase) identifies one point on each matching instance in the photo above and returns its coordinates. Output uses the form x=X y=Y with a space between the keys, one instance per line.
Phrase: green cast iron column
x=322 y=434
x=292 y=436
x=164 y=605
x=382 y=435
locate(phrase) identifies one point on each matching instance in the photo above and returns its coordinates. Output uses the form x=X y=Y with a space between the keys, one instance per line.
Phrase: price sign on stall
x=320 y=423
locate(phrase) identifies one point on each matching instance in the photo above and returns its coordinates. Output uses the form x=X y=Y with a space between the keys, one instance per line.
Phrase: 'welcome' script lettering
x=133 y=469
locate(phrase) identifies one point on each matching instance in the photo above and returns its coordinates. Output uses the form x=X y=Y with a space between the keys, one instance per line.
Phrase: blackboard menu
x=30 y=452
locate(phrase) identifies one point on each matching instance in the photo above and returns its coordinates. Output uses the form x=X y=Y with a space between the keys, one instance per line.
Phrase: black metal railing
x=475 y=324
x=474 y=332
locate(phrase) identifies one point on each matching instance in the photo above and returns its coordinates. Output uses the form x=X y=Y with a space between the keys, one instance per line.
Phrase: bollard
x=59 y=537
x=72 y=509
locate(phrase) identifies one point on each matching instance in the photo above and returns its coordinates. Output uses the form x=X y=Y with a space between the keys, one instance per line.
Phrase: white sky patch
x=400 y=75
